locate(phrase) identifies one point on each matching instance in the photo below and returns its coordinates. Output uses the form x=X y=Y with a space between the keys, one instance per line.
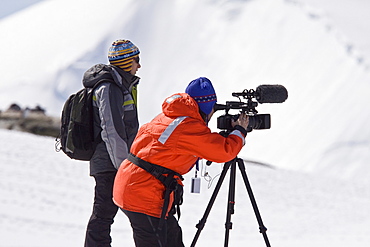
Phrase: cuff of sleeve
x=241 y=129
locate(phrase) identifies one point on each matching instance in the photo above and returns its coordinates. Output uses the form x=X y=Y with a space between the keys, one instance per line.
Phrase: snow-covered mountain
x=239 y=45
x=317 y=49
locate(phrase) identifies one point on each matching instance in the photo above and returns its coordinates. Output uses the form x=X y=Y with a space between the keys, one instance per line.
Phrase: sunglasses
x=137 y=59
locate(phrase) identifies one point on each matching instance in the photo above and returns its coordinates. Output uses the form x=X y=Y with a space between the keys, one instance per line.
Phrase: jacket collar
x=123 y=78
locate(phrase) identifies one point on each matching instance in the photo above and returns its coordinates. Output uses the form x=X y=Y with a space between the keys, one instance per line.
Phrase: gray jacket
x=115 y=115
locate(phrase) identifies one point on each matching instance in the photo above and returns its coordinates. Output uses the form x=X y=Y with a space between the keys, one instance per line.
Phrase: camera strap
x=169 y=179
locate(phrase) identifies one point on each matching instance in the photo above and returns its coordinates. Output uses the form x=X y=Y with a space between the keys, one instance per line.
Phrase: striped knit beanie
x=121 y=54
x=202 y=91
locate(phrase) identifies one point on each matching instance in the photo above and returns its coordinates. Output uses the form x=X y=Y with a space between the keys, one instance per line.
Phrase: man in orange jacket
x=148 y=183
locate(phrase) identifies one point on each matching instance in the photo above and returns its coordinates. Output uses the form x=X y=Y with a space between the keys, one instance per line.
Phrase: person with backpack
x=116 y=124
x=148 y=185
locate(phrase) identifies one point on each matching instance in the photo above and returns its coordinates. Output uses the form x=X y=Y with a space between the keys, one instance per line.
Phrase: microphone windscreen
x=271 y=94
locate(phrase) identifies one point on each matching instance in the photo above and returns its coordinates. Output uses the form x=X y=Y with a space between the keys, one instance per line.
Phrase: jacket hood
x=96 y=73
x=107 y=72
x=181 y=104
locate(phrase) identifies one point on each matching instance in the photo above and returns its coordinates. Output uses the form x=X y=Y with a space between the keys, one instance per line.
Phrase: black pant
x=104 y=211
x=146 y=233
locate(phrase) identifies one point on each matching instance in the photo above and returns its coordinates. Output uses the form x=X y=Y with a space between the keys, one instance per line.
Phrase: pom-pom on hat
x=122 y=53
x=202 y=91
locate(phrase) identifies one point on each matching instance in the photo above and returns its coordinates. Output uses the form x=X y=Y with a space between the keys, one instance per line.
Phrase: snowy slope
x=349 y=20
x=46 y=200
x=237 y=44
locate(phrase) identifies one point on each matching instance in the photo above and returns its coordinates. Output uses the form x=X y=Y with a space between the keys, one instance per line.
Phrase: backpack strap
x=169 y=181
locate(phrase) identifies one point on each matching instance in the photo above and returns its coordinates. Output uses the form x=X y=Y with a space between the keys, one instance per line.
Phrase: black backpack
x=76 y=138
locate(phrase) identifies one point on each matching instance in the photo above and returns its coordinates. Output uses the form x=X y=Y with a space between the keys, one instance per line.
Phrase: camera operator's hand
x=243 y=121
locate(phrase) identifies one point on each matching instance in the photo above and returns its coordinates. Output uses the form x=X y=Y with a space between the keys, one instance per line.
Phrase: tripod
x=231 y=202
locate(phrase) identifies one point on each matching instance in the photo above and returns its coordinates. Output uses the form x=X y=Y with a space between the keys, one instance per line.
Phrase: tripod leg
x=262 y=228
x=230 y=203
x=202 y=222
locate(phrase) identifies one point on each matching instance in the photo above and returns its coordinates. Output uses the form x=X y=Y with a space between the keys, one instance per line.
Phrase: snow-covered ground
x=318 y=194
x=46 y=200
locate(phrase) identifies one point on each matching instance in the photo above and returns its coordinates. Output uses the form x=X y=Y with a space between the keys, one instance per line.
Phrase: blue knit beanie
x=202 y=91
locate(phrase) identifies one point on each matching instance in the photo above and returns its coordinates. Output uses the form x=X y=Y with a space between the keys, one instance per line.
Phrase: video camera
x=263 y=94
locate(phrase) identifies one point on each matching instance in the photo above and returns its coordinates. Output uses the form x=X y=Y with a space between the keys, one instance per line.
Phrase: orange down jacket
x=174 y=139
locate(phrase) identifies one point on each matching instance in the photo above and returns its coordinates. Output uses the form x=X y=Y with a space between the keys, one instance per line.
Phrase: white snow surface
x=318 y=193
x=46 y=200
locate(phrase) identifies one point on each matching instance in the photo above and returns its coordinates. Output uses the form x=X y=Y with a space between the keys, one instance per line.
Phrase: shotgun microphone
x=265 y=94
